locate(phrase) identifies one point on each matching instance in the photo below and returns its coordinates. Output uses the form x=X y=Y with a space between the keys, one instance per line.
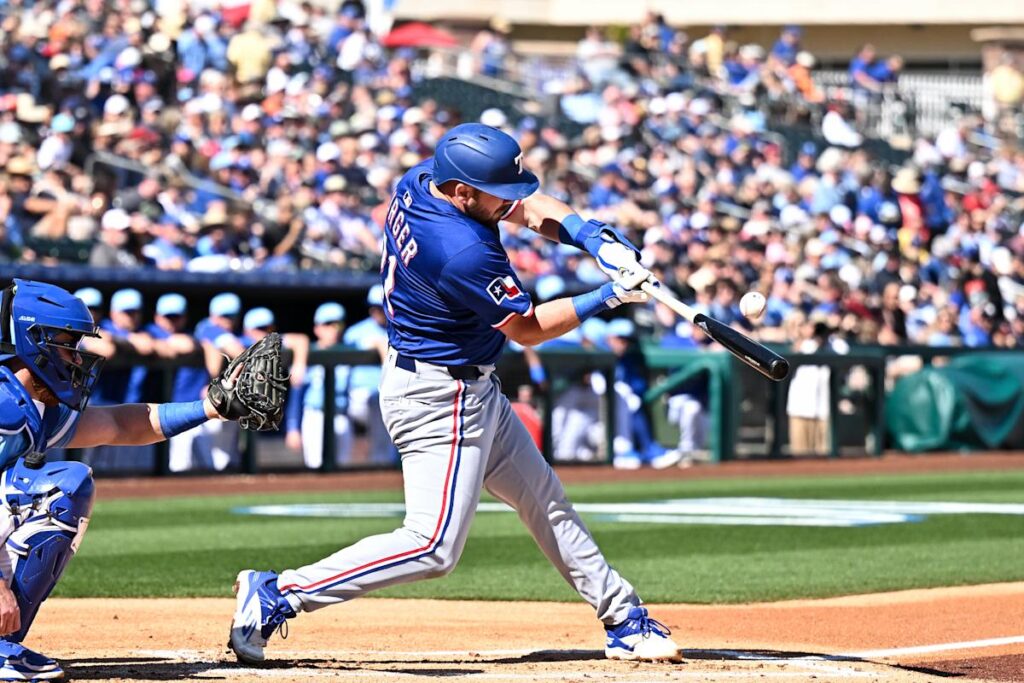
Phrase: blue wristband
x=589 y=304
x=587 y=235
x=537 y=374
x=579 y=233
x=176 y=418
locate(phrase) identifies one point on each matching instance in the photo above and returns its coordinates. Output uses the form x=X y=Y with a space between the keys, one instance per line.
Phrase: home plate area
x=972 y=634
x=490 y=665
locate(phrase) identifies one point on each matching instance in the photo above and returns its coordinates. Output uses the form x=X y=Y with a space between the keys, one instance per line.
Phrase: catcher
x=45 y=382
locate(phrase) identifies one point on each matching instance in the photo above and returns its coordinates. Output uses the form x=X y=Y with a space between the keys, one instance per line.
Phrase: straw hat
x=906 y=181
x=28 y=111
x=20 y=166
x=214 y=217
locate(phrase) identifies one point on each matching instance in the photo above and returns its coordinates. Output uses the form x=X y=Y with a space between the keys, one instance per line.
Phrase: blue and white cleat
x=260 y=609
x=22 y=664
x=641 y=638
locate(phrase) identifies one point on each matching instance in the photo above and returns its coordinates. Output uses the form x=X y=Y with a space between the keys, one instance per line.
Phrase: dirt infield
x=973 y=634
x=968 y=633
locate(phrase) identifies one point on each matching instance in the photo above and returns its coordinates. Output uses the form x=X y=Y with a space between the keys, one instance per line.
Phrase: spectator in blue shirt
x=122 y=333
x=201 y=47
x=370 y=334
x=192 y=449
x=217 y=337
x=258 y=323
x=868 y=74
x=328 y=326
x=788 y=44
x=634 y=443
x=804 y=164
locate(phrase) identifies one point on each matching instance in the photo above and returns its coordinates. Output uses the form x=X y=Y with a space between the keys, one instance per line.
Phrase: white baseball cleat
x=640 y=638
x=18 y=663
x=260 y=609
x=667 y=459
x=627 y=461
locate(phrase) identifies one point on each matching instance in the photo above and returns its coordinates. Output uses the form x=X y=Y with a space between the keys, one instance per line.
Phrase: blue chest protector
x=23 y=430
x=50 y=504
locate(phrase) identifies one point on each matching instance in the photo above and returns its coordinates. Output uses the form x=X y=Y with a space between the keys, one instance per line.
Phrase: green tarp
x=974 y=402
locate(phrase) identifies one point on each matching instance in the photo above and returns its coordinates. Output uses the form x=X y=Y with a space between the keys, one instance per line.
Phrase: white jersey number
x=389 y=284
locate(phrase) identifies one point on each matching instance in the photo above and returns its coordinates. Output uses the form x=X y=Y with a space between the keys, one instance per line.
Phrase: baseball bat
x=764 y=360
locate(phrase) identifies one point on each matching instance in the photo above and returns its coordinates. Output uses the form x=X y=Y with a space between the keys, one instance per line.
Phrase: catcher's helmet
x=485 y=158
x=42 y=325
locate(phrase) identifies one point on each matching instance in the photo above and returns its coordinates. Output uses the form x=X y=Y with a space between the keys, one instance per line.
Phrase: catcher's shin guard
x=52 y=505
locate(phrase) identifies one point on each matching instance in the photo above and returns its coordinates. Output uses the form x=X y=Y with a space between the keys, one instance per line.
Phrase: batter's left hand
x=617 y=257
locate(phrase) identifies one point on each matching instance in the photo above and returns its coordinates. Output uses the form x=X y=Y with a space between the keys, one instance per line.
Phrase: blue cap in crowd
x=171 y=304
x=257 y=318
x=375 y=297
x=126 y=300
x=549 y=286
x=330 y=312
x=226 y=304
x=621 y=327
x=62 y=123
x=90 y=296
x=594 y=330
x=220 y=161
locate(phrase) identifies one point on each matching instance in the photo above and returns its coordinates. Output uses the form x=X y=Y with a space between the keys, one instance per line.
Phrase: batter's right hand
x=10 y=614
x=615 y=294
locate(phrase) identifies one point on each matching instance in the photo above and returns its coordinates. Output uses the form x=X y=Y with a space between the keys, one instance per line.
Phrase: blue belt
x=466 y=373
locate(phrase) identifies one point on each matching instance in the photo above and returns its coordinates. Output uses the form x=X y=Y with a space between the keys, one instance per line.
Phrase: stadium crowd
x=268 y=136
x=306 y=121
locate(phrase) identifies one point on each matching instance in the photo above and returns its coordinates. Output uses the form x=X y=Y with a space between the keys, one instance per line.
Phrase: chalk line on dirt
x=939 y=647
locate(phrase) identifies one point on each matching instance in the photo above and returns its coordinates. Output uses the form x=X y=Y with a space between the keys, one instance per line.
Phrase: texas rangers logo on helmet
x=502 y=288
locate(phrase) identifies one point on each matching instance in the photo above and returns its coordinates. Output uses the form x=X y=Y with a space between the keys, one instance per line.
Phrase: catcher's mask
x=43 y=325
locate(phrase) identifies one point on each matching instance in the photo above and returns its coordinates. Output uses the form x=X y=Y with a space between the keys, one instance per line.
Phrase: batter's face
x=482 y=207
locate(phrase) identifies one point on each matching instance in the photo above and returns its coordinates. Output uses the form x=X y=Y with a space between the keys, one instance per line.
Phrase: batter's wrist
x=589 y=304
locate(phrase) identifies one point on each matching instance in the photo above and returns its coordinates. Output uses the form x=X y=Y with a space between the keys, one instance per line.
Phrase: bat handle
x=656 y=292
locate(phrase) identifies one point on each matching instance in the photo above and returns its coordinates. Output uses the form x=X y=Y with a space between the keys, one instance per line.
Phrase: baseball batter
x=451 y=300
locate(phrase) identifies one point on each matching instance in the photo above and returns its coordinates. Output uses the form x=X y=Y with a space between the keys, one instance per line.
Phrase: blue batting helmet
x=42 y=325
x=484 y=158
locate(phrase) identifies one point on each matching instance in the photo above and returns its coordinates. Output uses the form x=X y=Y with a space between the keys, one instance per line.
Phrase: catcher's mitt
x=253 y=387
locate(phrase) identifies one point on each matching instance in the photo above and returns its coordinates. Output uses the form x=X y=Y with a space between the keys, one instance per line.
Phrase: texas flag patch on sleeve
x=502 y=288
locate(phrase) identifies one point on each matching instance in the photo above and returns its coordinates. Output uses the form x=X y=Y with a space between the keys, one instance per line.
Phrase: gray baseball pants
x=456 y=437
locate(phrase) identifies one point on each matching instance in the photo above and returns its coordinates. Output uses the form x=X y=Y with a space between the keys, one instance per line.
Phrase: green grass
x=194 y=546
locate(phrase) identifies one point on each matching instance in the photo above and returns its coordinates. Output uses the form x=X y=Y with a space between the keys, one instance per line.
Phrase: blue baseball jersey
x=208 y=331
x=119 y=385
x=189 y=381
x=362 y=335
x=27 y=426
x=448 y=283
x=313 y=389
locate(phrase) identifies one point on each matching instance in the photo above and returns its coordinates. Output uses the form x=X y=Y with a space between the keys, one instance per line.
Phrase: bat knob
x=779 y=369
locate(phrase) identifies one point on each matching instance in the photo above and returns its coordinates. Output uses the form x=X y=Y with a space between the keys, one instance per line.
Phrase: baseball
x=752 y=305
